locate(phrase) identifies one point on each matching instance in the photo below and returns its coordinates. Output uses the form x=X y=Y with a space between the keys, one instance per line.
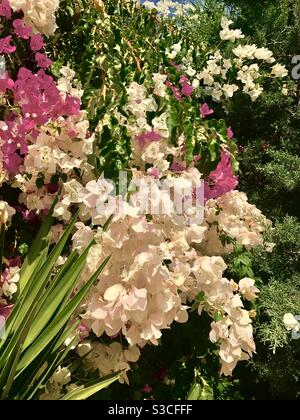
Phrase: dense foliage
x=163 y=92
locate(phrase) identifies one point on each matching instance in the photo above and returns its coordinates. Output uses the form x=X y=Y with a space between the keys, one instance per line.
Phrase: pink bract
x=42 y=60
x=205 y=110
x=221 y=180
x=5 y=9
x=230 y=133
x=36 y=42
x=187 y=89
x=5 y=46
x=147 y=138
x=21 y=30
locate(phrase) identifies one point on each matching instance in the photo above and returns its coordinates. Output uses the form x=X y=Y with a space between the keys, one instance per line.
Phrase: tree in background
x=268 y=134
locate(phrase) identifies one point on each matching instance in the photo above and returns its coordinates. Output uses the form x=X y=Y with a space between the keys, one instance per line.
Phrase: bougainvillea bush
x=95 y=93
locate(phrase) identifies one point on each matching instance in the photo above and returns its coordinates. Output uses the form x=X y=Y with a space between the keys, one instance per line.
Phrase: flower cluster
x=228 y=34
x=232 y=325
x=58 y=384
x=231 y=215
x=50 y=162
x=154 y=273
x=139 y=295
x=46 y=136
x=37 y=100
x=40 y=14
x=160 y=263
x=108 y=359
x=8 y=286
x=158 y=266
x=169 y=7
x=223 y=75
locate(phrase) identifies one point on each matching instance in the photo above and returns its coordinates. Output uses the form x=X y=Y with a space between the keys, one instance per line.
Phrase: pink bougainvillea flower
x=153 y=172
x=147 y=389
x=36 y=42
x=52 y=188
x=21 y=30
x=175 y=90
x=178 y=166
x=177 y=67
x=12 y=163
x=5 y=46
x=5 y=312
x=183 y=79
x=29 y=216
x=230 y=133
x=6 y=83
x=83 y=331
x=14 y=140
x=187 y=89
x=71 y=106
x=42 y=60
x=15 y=261
x=83 y=328
x=176 y=93
x=14 y=136
x=147 y=138
x=40 y=100
x=72 y=133
x=205 y=110
x=5 y=9
x=221 y=180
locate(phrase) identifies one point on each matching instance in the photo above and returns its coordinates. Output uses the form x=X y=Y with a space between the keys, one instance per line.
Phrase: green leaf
x=59 y=321
x=207 y=392
x=218 y=316
x=40 y=382
x=194 y=392
x=8 y=373
x=54 y=299
x=200 y=297
x=10 y=339
x=201 y=391
x=32 y=259
x=83 y=393
x=72 y=258
x=36 y=284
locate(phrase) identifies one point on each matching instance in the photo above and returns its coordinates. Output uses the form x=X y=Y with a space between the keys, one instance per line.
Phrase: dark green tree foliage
x=268 y=132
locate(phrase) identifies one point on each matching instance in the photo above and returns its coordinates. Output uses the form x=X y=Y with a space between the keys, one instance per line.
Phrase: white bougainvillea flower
x=40 y=14
x=6 y=213
x=247 y=288
x=62 y=376
x=291 y=323
x=278 y=70
x=228 y=34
